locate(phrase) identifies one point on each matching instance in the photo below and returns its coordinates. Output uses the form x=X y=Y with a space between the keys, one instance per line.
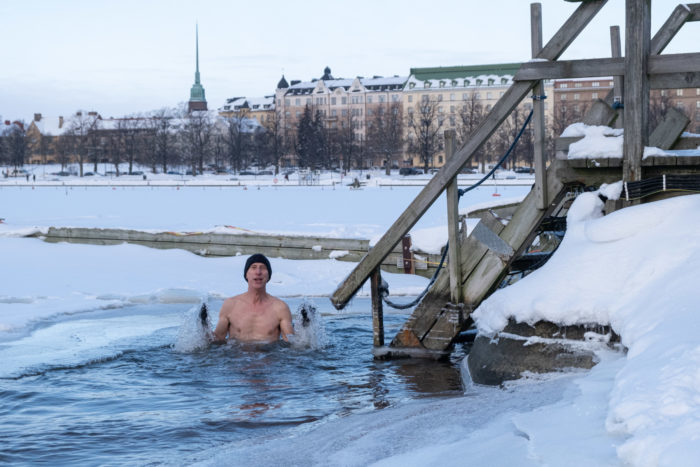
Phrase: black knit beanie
x=257 y=258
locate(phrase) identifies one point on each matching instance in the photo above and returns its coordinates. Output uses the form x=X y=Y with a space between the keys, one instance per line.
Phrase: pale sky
x=124 y=57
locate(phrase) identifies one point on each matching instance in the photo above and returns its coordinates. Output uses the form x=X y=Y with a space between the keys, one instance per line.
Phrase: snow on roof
x=464 y=82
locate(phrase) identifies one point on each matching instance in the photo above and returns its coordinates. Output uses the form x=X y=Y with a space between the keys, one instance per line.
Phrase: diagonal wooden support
x=513 y=96
x=486 y=261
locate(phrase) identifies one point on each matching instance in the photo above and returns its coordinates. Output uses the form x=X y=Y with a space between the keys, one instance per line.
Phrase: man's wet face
x=257 y=274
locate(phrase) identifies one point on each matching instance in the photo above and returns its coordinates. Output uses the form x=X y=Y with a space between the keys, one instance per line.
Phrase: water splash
x=195 y=331
x=308 y=327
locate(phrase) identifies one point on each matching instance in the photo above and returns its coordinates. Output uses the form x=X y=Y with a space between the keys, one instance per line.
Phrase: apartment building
x=453 y=89
x=342 y=102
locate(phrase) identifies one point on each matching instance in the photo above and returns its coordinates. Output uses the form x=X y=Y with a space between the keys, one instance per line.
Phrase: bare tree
x=16 y=144
x=237 y=142
x=347 y=140
x=470 y=115
x=196 y=138
x=425 y=125
x=385 y=133
x=79 y=128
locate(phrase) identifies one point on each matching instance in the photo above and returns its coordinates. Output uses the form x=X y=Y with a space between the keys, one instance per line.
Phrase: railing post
x=618 y=81
x=377 y=310
x=453 y=254
x=407 y=254
x=636 y=97
x=538 y=111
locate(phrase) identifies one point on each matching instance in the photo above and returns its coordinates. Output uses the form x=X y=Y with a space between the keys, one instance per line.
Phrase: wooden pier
x=400 y=260
x=478 y=263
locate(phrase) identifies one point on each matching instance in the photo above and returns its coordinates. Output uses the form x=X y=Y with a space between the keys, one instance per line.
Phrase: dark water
x=136 y=400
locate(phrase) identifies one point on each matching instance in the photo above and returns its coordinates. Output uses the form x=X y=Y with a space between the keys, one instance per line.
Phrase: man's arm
x=222 y=326
x=286 y=327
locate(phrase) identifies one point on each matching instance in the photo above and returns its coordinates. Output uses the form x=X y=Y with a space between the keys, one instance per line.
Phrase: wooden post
x=377 y=310
x=636 y=97
x=408 y=266
x=618 y=81
x=454 y=264
x=538 y=111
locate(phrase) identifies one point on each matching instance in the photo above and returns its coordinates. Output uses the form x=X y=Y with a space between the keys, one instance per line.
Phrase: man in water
x=255 y=315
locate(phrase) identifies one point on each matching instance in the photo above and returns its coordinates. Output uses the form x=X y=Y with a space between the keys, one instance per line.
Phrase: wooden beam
x=636 y=111
x=670 y=28
x=538 y=111
x=500 y=111
x=453 y=252
x=618 y=80
x=669 y=130
x=593 y=67
x=377 y=310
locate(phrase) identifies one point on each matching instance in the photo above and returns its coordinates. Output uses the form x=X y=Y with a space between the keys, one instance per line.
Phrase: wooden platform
x=214 y=244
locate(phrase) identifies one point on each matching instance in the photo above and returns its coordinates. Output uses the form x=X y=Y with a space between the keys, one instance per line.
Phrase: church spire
x=197 y=99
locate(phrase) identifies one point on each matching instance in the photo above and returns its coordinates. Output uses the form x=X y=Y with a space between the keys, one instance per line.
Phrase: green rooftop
x=453 y=72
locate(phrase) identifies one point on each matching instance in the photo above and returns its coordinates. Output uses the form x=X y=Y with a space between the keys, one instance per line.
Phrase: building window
x=426 y=84
x=440 y=109
x=298 y=114
x=442 y=84
x=477 y=95
x=452 y=96
x=489 y=95
x=595 y=84
x=394 y=98
x=411 y=85
x=679 y=92
x=577 y=96
x=452 y=109
x=697 y=104
x=563 y=97
x=663 y=93
x=465 y=96
x=286 y=102
x=334 y=113
x=424 y=98
x=594 y=95
x=333 y=99
x=410 y=98
x=563 y=85
x=369 y=99
x=343 y=100
x=344 y=112
x=381 y=99
x=578 y=85
x=439 y=97
x=439 y=159
x=490 y=82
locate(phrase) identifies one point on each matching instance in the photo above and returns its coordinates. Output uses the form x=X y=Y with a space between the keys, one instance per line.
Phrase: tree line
x=173 y=138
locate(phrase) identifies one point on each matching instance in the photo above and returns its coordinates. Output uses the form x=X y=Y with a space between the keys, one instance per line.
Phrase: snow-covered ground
x=635 y=269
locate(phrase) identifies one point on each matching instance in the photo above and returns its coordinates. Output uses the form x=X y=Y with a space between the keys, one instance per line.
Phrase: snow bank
x=637 y=270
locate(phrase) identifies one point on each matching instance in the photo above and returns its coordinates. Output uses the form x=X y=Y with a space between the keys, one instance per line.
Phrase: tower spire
x=197 y=99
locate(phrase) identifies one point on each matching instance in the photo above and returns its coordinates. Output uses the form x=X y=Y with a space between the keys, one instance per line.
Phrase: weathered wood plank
x=636 y=112
x=447 y=326
x=512 y=97
x=538 y=115
x=428 y=310
x=669 y=130
x=377 y=310
x=452 y=194
x=616 y=52
x=669 y=29
x=674 y=80
x=600 y=113
x=592 y=67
